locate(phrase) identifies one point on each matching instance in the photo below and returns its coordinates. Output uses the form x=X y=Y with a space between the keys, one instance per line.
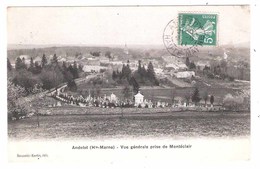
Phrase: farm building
x=92 y=69
x=185 y=74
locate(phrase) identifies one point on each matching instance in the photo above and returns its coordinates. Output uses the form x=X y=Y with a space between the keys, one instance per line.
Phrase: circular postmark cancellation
x=183 y=35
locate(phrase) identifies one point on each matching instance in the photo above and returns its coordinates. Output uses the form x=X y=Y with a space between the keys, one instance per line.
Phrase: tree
x=75 y=70
x=150 y=71
x=108 y=54
x=19 y=64
x=114 y=75
x=139 y=70
x=98 y=91
x=187 y=62
x=44 y=60
x=135 y=84
x=173 y=96
x=205 y=97
x=14 y=92
x=223 y=64
x=64 y=66
x=37 y=68
x=192 y=65
x=211 y=99
x=187 y=98
x=54 y=59
x=97 y=54
x=31 y=67
x=9 y=66
x=126 y=92
x=72 y=86
x=80 y=68
x=195 y=96
x=233 y=102
x=51 y=77
x=26 y=80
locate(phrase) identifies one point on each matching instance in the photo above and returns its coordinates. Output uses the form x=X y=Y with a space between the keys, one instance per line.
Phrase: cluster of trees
x=146 y=76
x=14 y=93
x=195 y=97
x=231 y=102
x=43 y=74
x=221 y=70
x=96 y=54
x=142 y=76
x=218 y=70
x=126 y=78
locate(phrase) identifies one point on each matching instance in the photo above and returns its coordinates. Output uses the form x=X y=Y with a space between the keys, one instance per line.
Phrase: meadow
x=163 y=125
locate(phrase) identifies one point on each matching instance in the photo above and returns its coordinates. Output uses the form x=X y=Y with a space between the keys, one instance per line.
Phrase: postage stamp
x=197 y=29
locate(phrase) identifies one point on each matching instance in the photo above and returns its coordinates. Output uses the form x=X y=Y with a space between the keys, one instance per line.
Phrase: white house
x=139 y=98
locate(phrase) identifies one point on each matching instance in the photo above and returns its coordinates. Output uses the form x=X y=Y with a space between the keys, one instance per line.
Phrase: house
x=201 y=64
x=93 y=61
x=185 y=74
x=139 y=98
x=70 y=59
x=171 y=66
x=176 y=66
x=103 y=60
x=158 y=71
x=27 y=59
x=38 y=59
x=92 y=69
x=116 y=63
x=62 y=60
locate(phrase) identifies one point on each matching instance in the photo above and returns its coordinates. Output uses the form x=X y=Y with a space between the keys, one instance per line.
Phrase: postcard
x=118 y=82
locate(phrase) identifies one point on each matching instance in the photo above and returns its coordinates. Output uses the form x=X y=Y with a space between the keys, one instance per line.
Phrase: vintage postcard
x=150 y=82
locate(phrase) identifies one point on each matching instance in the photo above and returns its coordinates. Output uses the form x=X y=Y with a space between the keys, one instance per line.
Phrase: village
x=105 y=70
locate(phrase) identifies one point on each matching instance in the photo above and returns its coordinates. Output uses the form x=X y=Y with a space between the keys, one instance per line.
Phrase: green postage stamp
x=197 y=29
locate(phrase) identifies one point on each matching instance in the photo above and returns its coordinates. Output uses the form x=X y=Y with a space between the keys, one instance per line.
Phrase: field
x=168 y=125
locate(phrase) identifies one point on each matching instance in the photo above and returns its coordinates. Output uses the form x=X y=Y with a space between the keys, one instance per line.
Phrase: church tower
x=126 y=50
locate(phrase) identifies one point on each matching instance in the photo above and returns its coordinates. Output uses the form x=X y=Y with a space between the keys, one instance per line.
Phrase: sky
x=115 y=25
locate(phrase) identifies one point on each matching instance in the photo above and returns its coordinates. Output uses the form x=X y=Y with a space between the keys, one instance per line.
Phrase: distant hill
x=63 y=51
x=235 y=52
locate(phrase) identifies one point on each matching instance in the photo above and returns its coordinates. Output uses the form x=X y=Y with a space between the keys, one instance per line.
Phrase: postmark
x=170 y=40
x=183 y=35
x=197 y=29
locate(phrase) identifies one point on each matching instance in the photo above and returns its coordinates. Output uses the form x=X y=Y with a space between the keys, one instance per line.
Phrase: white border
x=255 y=82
